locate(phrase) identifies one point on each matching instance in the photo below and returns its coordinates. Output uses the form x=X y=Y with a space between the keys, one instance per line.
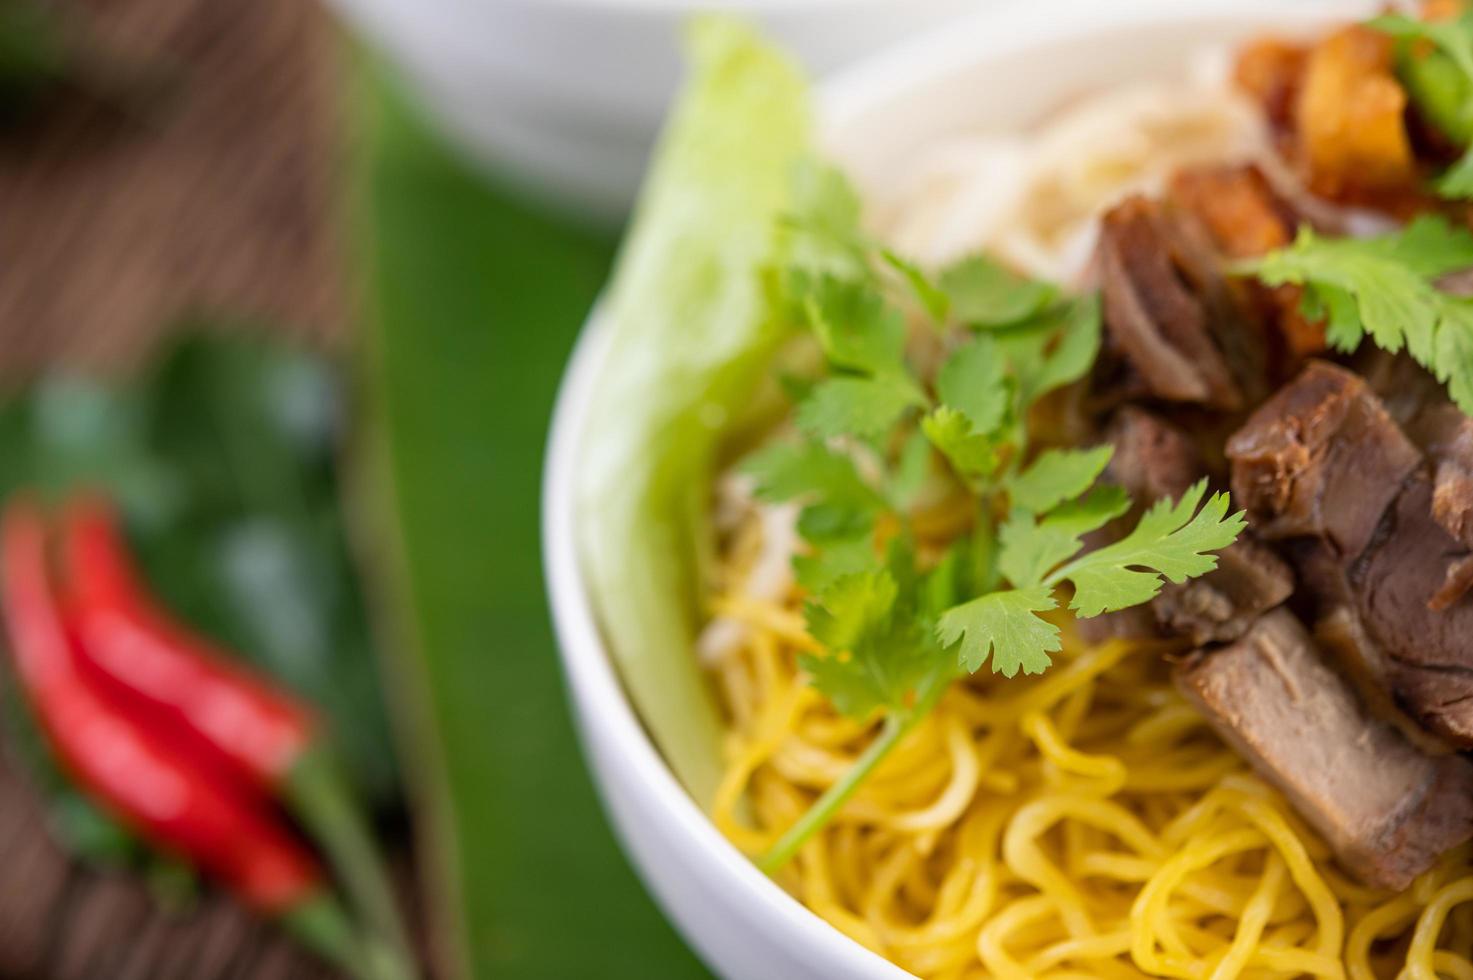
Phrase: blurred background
x=292 y=287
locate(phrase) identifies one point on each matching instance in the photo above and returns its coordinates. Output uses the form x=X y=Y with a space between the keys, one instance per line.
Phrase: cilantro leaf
x=1058 y=475
x=863 y=407
x=983 y=294
x=1457 y=181
x=1031 y=547
x=1173 y=540
x=932 y=298
x=1441 y=82
x=973 y=381
x=839 y=557
x=974 y=455
x=911 y=470
x=856 y=328
x=1453 y=37
x=1057 y=349
x=1006 y=627
x=876 y=652
x=1384 y=287
x=1454 y=360
x=789 y=470
x=851 y=609
x=823 y=223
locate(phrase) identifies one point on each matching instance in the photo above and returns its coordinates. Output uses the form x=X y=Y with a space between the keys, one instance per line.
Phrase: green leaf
x=971 y=454
x=689 y=334
x=983 y=294
x=1173 y=540
x=866 y=408
x=856 y=328
x=1056 y=350
x=911 y=471
x=1058 y=475
x=851 y=609
x=1457 y=182
x=1455 y=352
x=932 y=298
x=824 y=235
x=472 y=301
x=808 y=471
x=1031 y=547
x=1383 y=287
x=1006 y=627
x=839 y=557
x=876 y=654
x=974 y=382
x=1453 y=37
x=1440 y=82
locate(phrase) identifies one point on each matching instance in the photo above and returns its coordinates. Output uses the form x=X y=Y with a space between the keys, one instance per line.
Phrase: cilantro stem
x=896 y=726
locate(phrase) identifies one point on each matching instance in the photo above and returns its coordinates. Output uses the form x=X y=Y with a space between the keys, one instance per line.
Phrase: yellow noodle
x=1084 y=823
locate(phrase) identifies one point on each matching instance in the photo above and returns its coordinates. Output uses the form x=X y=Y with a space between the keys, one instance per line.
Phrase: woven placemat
x=200 y=177
x=192 y=174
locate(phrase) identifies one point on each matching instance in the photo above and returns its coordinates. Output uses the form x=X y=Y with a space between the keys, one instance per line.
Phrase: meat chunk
x=1430 y=651
x=1320 y=458
x=1323 y=460
x=1447 y=436
x=1343 y=637
x=1153 y=458
x=1419 y=404
x=1248 y=581
x=1170 y=314
x=1237 y=206
x=1247 y=217
x=1387 y=809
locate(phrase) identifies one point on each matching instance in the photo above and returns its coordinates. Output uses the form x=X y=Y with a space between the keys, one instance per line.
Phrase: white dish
x=997 y=72
x=566 y=96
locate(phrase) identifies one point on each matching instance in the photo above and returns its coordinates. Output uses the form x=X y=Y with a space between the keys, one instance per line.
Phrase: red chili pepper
x=164 y=669
x=134 y=773
x=215 y=706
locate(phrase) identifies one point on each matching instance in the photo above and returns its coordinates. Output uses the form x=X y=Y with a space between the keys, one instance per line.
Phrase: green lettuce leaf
x=689 y=333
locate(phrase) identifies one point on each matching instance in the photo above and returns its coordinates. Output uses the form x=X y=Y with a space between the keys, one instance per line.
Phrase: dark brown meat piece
x=1387 y=809
x=1323 y=460
x=1419 y=404
x=1220 y=606
x=1153 y=458
x=1447 y=436
x=1237 y=206
x=1430 y=652
x=1343 y=637
x=1406 y=389
x=1170 y=314
x=1320 y=458
x=1246 y=216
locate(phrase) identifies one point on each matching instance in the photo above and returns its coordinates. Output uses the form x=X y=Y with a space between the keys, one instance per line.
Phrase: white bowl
x=997 y=71
x=566 y=96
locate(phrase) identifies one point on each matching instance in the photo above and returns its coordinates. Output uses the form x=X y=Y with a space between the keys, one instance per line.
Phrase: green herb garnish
x=1441 y=83
x=896 y=629
x=1386 y=288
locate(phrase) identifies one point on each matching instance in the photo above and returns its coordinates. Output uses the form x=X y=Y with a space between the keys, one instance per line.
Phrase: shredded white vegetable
x=1034 y=200
x=770 y=575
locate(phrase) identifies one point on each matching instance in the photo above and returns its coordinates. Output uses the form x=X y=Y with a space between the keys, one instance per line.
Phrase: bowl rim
x=602 y=708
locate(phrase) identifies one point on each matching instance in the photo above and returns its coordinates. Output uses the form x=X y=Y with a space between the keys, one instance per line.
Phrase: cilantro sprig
x=1441 y=82
x=1385 y=288
x=874 y=430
